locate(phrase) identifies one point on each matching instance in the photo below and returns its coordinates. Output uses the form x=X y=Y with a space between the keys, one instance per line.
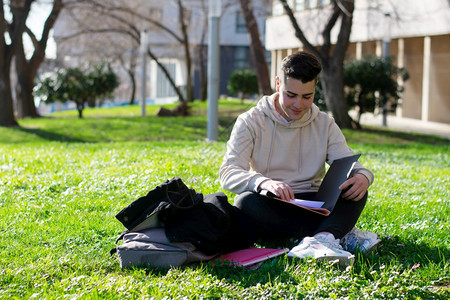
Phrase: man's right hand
x=278 y=188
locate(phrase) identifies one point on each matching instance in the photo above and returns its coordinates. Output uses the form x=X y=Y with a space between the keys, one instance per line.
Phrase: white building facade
x=418 y=32
x=234 y=42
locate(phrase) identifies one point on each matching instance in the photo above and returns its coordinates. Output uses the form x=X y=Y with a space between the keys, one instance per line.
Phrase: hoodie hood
x=267 y=105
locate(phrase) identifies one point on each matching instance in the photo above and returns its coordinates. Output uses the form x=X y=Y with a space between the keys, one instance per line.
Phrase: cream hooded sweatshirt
x=263 y=146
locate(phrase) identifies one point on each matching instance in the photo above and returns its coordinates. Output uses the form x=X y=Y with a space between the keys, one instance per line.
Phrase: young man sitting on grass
x=281 y=146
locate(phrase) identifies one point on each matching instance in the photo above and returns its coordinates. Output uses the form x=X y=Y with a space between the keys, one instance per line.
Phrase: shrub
x=369 y=83
x=372 y=82
x=77 y=85
x=243 y=81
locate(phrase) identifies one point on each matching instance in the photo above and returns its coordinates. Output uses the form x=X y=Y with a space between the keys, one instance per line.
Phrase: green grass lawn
x=62 y=180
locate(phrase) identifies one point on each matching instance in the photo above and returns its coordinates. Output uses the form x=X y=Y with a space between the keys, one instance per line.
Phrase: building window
x=240 y=24
x=163 y=88
x=299 y=5
x=310 y=4
x=324 y=2
x=240 y=58
x=278 y=9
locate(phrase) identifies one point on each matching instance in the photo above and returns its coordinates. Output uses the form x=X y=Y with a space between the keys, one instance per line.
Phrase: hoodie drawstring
x=271 y=147
x=300 y=151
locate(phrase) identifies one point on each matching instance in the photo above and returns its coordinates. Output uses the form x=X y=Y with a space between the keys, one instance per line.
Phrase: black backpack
x=210 y=223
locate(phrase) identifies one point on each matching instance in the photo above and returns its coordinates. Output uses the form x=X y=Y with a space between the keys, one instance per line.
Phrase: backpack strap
x=120 y=237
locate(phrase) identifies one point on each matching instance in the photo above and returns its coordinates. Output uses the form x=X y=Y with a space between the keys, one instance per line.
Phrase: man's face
x=295 y=97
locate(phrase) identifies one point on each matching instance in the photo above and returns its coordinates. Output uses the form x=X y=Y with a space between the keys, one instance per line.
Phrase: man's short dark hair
x=302 y=66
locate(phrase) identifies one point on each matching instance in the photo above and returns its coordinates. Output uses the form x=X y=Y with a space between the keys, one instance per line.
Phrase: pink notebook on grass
x=250 y=256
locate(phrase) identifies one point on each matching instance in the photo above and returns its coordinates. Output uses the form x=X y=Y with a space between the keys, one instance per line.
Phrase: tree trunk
x=202 y=73
x=132 y=74
x=24 y=92
x=15 y=31
x=80 y=108
x=256 y=48
x=133 y=87
x=24 y=88
x=332 y=58
x=201 y=51
x=27 y=69
x=6 y=104
x=333 y=88
x=187 y=53
x=7 y=117
x=202 y=57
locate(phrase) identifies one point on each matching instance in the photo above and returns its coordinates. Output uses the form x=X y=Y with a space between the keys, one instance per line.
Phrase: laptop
x=329 y=192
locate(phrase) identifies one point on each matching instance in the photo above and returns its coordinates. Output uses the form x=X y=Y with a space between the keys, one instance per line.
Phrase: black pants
x=276 y=220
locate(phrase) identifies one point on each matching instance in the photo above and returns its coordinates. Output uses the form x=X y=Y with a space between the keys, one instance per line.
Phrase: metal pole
x=385 y=54
x=215 y=7
x=144 y=71
x=387 y=35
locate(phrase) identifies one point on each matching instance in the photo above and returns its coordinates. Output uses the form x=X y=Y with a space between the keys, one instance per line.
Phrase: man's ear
x=277 y=83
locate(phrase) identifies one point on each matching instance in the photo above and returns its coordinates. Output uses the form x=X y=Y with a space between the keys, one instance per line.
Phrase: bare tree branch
x=48 y=25
x=256 y=48
x=343 y=8
x=20 y=14
x=132 y=34
x=344 y=33
x=298 y=31
x=111 y=12
x=32 y=36
x=326 y=33
x=182 y=22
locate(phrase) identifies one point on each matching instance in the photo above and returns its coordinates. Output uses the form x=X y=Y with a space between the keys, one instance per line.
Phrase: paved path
x=408 y=125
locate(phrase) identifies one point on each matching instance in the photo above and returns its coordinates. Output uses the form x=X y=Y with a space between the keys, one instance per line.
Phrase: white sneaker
x=360 y=240
x=322 y=247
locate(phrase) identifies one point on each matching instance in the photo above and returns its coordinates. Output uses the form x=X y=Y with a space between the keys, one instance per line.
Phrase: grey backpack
x=152 y=248
x=174 y=225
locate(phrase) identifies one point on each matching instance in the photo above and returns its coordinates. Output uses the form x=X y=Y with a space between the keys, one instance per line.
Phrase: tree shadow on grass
x=51 y=136
x=368 y=135
x=391 y=251
x=372 y=135
x=408 y=253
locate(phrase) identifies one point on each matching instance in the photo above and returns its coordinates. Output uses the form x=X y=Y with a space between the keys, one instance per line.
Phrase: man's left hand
x=355 y=187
